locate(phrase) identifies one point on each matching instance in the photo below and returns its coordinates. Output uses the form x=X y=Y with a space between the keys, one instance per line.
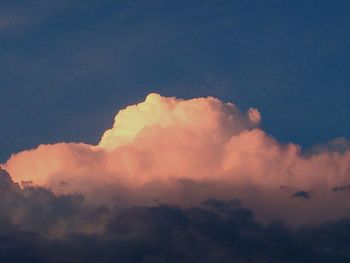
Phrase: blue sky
x=67 y=66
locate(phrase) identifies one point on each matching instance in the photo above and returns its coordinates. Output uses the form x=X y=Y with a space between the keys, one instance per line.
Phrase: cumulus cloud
x=202 y=117
x=190 y=180
x=181 y=152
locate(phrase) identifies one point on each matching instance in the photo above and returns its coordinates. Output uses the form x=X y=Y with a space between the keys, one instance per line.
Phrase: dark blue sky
x=67 y=66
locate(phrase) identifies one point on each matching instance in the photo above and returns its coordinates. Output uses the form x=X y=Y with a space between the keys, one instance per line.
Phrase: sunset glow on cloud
x=185 y=151
x=174 y=131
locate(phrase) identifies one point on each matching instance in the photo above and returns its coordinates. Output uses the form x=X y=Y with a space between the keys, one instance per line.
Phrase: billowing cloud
x=173 y=151
x=202 y=116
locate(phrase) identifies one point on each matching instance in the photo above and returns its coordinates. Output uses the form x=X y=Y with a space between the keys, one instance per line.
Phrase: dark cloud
x=342 y=188
x=201 y=234
x=302 y=194
x=38 y=210
x=215 y=231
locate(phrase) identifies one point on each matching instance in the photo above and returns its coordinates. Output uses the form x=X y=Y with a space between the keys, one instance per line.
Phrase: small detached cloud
x=343 y=188
x=302 y=194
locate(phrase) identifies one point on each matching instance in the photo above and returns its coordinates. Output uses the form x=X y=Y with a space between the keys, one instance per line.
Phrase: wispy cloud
x=18 y=16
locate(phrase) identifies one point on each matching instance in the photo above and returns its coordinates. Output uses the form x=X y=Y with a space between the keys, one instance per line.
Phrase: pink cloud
x=184 y=151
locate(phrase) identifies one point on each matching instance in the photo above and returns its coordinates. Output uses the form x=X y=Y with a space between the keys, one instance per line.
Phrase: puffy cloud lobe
x=202 y=117
x=184 y=151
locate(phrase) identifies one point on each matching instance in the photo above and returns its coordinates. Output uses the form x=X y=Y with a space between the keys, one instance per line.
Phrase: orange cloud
x=183 y=151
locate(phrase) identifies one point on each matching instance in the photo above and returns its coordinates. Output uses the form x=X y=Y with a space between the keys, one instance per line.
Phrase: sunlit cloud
x=182 y=152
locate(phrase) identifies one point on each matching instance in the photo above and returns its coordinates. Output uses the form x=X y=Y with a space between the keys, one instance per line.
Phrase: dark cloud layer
x=215 y=231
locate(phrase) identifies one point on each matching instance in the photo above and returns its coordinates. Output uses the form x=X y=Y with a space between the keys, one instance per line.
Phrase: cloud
x=302 y=194
x=343 y=188
x=40 y=211
x=37 y=225
x=21 y=15
x=214 y=231
x=200 y=116
x=182 y=152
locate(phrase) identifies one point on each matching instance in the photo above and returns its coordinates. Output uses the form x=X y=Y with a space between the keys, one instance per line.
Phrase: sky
x=167 y=131
x=68 y=66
